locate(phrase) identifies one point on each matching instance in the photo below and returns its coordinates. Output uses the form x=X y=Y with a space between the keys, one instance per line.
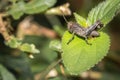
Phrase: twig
x=29 y=27
x=3 y=28
x=42 y=76
x=114 y=57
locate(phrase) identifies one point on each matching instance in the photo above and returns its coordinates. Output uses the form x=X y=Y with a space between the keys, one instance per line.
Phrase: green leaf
x=28 y=48
x=105 y=12
x=80 y=20
x=55 y=45
x=13 y=42
x=35 y=6
x=17 y=10
x=5 y=74
x=78 y=56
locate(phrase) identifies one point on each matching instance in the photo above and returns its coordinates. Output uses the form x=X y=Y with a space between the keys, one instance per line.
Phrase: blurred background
x=45 y=28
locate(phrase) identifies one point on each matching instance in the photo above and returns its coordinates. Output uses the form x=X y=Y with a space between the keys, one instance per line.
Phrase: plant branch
x=3 y=28
x=43 y=74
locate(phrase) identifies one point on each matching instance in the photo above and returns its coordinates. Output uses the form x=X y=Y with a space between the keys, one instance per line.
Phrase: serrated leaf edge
x=89 y=66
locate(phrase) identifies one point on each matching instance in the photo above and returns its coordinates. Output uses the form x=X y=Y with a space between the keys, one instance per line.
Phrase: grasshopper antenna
x=62 y=10
x=65 y=18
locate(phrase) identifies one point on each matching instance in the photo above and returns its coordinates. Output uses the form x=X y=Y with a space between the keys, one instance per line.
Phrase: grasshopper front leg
x=86 y=40
x=73 y=35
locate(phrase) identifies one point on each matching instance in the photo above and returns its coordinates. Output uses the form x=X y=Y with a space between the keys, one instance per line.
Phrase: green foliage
x=5 y=74
x=59 y=29
x=19 y=64
x=35 y=6
x=28 y=48
x=105 y=12
x=55 y=45
x=78 y=56
x=15 y=43
x=80 y=20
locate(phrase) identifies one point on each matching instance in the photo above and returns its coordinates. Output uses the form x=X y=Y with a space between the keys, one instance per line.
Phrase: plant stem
x=50 y=67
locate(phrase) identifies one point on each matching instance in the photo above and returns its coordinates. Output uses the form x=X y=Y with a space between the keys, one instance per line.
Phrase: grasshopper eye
x=99 y=24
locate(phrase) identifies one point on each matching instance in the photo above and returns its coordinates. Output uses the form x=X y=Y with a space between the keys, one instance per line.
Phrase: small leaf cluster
x=19 y=8
x=25 y=47
x=33 y=7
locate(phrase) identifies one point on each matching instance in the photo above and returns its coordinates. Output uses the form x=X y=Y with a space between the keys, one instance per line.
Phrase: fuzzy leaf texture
x=80 y=20
x=104 y=12
x=35 y=6
x=78 y=56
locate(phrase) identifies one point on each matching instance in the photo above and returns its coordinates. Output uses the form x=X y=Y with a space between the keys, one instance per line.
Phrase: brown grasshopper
x=85 y=33
x=76 y=29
